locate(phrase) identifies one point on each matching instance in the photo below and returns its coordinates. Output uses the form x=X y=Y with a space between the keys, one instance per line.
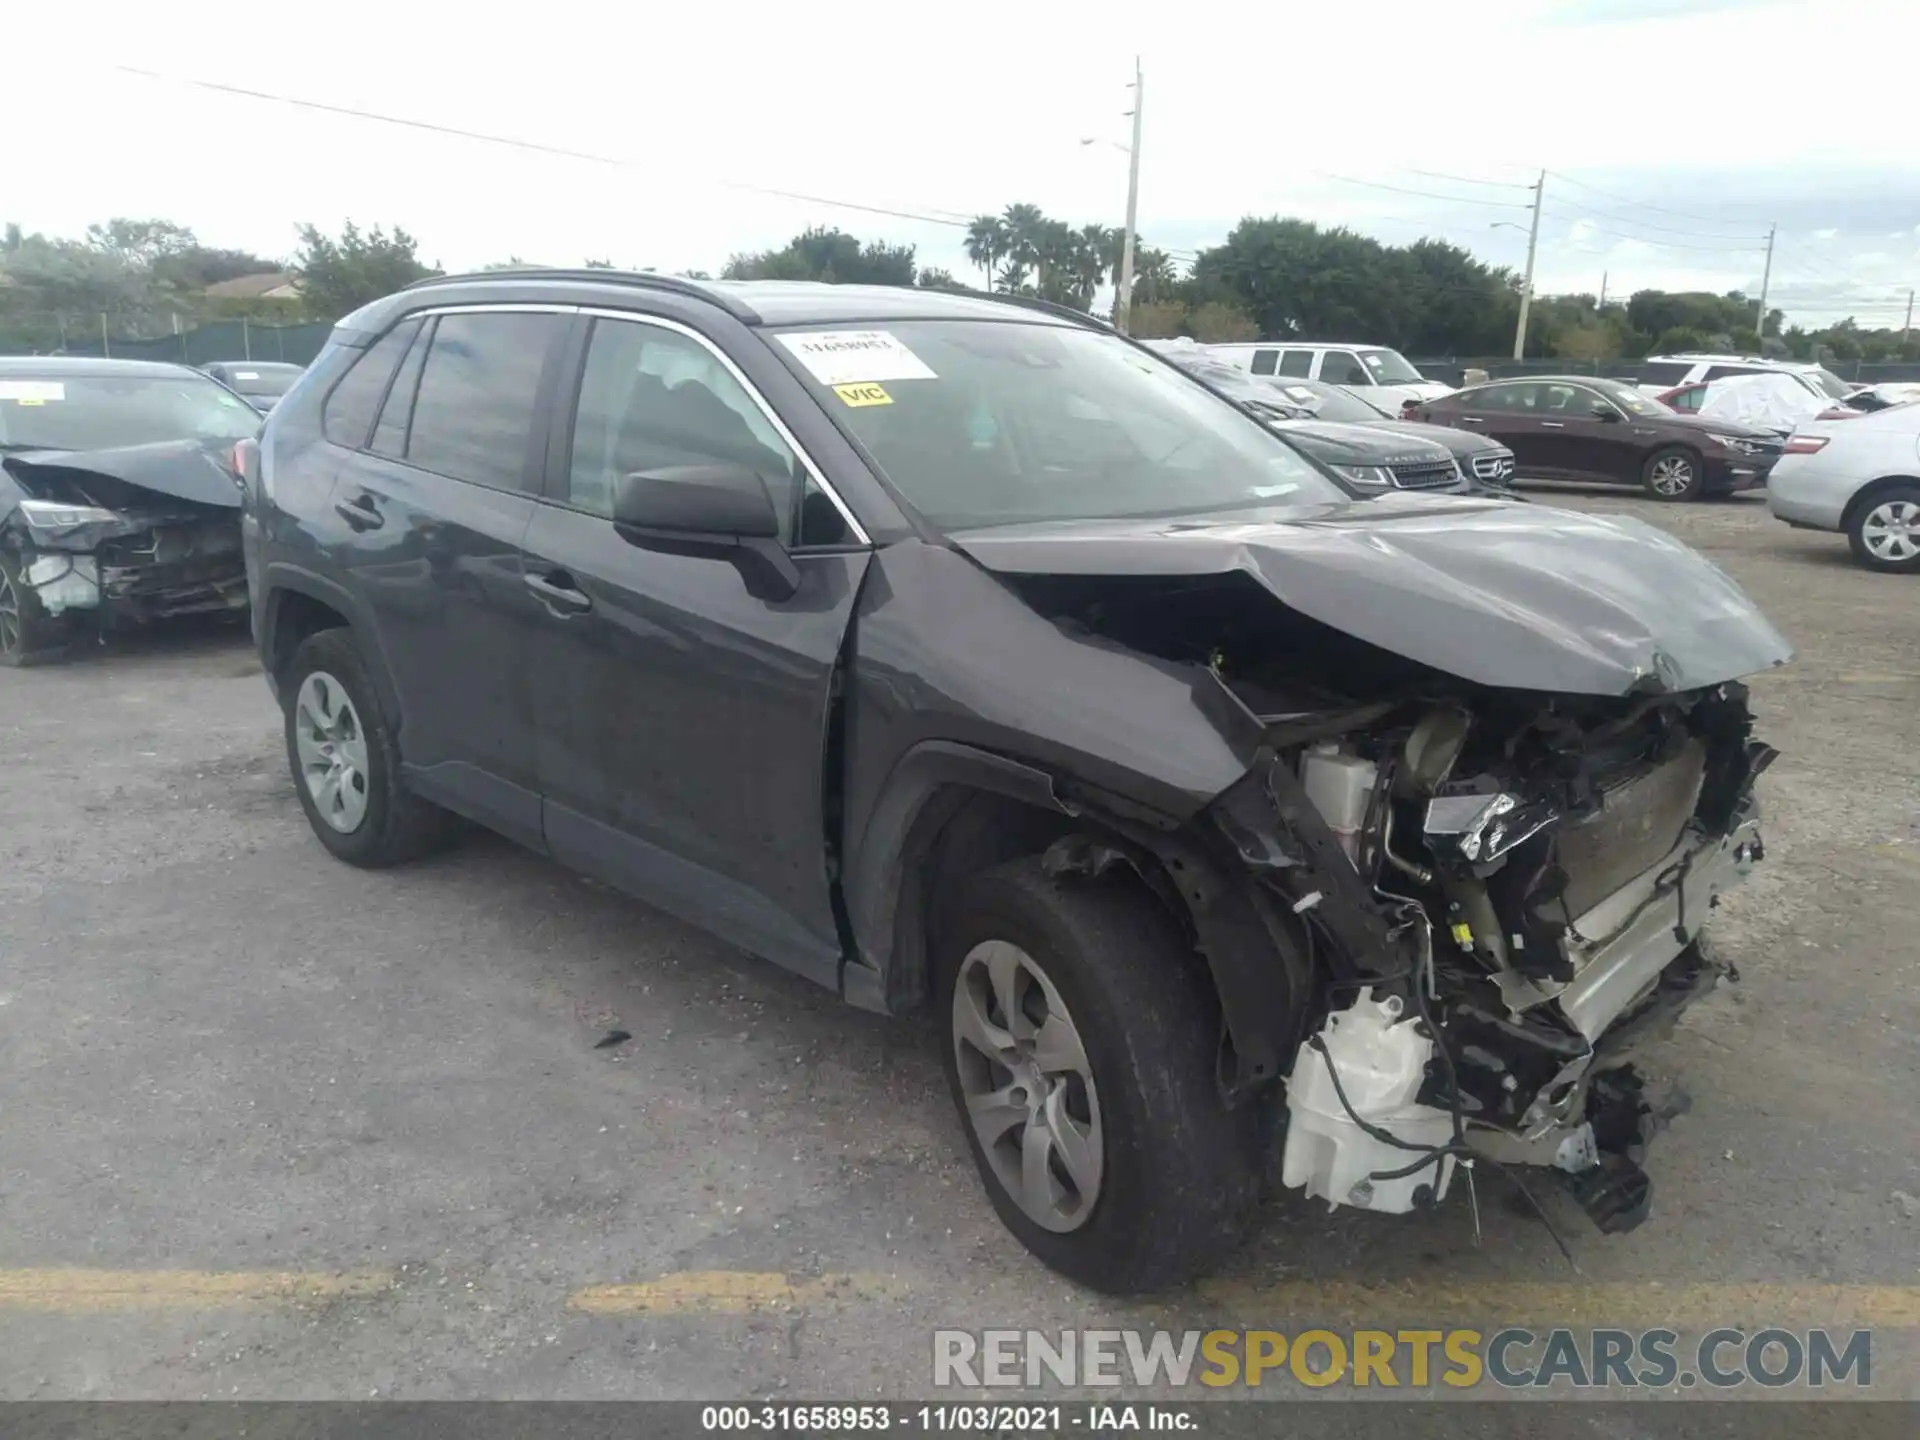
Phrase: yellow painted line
x=730 y=1292
x=1636 y=1305
x=75 y=1291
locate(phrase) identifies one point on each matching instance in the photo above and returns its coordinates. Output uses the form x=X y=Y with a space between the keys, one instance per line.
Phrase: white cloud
x=1827 y=234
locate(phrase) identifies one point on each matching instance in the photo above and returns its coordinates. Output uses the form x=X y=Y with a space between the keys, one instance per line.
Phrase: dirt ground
x=273 y=1127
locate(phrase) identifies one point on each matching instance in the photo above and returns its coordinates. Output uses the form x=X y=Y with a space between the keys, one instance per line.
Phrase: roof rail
x=636 y=279
x=1027 y=302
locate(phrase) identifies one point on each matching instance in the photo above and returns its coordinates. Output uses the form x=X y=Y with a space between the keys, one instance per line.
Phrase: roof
x=795 y=302
x=51 y=367
x=1769 y=361
x=252 y=287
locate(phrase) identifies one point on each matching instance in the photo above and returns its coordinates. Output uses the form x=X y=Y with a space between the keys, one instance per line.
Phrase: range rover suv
x=972 y=661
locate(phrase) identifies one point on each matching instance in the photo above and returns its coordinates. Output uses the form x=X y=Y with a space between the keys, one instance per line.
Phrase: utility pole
x=1526 y=287
x=1760 y=324
x=1123 y=302
x=1603 y=291
x=1907 y=329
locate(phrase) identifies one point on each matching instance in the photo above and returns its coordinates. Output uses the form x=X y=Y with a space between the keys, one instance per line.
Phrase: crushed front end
x=1503 y=896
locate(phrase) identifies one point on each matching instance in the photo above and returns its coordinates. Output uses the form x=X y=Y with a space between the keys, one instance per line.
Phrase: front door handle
x=1471 y=420
x=558 y=592
x=1553 y=424
x=360 y=513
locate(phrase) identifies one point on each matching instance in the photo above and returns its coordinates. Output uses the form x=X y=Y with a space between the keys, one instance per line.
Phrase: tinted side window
x=1298 y=363
x=390 y=434
x=1664 y=372
x=348 y=414
x=1716 y=372
x=1263 y=361
x=1338 y=367
x=652 y=398
x=473 y=413
x=1500 y=398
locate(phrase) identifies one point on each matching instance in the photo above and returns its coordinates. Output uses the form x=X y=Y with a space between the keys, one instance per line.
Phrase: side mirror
x=1606 y=412
x=716 y=512
x=708 y=500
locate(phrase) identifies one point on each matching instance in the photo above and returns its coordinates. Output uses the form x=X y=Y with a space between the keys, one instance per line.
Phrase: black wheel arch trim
x=280 y=578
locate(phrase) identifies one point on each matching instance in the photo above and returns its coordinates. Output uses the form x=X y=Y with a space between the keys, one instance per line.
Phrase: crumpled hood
x=1514 y=596
x=183 y=469
x=1358 y=444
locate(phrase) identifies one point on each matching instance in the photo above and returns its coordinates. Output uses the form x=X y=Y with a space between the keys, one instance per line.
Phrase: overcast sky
x=1682 y=128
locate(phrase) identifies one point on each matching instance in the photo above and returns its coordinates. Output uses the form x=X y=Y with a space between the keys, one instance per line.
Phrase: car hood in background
x=1358 y=444
x=1516 y=597
x=1455 y=442
x=183 y=469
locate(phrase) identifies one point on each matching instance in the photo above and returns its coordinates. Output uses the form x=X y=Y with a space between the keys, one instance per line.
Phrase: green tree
x=827 y=254
x=986 y=243
x=339 y=276
x=933 y=278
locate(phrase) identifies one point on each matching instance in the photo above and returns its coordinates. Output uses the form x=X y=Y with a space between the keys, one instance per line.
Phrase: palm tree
x=986 y=241
x=1153 y=274
x=1025 y=225
x=1099 y=254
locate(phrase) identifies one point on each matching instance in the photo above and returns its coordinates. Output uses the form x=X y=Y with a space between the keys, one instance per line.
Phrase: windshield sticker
x=865 y=394
x=32 y=392
x=246 y=374
x=841 y=357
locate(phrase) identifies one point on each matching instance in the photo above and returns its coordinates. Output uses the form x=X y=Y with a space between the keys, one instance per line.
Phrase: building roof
x=253 y=287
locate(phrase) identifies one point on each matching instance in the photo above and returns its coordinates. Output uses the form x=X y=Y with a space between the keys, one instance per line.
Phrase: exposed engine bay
x=1484 y=901
x=124 y=552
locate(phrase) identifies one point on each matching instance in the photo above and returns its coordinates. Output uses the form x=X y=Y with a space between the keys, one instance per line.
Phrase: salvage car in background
x=1581 y=428
x=1860 y=477
x=260 y=385
x=1487 y=464
x=965 y=657
x=1366 y=458
x=1386 y=376
x=118 y=499
x=1767 y=400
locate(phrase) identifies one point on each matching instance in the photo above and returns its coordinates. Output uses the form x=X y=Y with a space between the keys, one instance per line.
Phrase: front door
x=436 y=509
x=684 y=740
x=1585 y=435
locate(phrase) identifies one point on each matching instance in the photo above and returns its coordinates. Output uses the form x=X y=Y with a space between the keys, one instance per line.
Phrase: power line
x=949 y=218
x=1468 y=179
x=1424 y=194
x=1661 y=244
x=1643 y=205
x=1649 y=225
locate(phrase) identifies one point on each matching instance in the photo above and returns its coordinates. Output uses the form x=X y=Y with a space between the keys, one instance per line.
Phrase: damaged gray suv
x=972 y=661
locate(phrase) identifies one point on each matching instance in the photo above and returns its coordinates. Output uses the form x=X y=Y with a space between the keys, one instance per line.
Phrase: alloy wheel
x=9 y=614
x=1028 y=1086
x=1890 y=531
x=332 y=747
x=1672 y=475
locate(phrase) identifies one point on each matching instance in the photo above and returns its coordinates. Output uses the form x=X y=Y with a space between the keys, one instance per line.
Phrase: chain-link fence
x=165 y=337
x=1451 y=370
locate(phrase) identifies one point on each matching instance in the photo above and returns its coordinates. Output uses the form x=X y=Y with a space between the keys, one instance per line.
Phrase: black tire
x=28 y=634
x=1905 y=493
x=1182 y=1173
x=397 y=825
x=1662 y=465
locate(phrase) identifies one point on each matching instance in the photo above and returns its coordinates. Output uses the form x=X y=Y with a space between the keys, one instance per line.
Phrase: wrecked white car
x=119 y=504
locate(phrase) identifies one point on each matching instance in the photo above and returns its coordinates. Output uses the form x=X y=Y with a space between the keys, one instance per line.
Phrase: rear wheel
x=345 y=762
x=1885 y=531
x=1674 y=473
x=1080 y=1054
x=28 y=634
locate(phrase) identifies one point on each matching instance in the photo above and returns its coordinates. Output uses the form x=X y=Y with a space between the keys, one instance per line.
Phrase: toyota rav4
x=969 y=659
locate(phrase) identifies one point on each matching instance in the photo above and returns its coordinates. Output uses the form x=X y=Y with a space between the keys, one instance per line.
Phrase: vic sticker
x=863 y=394
x=842 y=357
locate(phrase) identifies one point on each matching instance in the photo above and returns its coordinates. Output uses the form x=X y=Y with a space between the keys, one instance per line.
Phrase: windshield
x=1388 y=367
x=261 y=379
x=1328 y=402
x=1633 y=401
x=983 y=423
x=1835 y=387
x=102 y=412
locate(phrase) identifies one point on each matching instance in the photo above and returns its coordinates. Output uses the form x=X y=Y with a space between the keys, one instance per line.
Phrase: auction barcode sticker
x=32 y=392
x=843 y=357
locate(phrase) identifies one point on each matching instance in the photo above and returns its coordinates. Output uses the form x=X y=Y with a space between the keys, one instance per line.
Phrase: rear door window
x=1720 y=372
x=390 y=433
x=348 y=414
x=1297 y=363
x=478 y=398
x=1515 y=398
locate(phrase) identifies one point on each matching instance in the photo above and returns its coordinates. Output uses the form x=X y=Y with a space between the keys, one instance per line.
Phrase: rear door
x=1505 y=411
x=436 y=508
x=684 y=736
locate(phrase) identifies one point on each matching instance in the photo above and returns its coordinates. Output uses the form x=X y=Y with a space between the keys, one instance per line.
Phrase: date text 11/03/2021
x=950 y=1417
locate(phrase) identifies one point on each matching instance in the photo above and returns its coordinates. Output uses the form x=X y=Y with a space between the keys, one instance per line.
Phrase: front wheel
x=1674 y=473
x=1081 y=1048
x=28 y=634
x=1885 y=533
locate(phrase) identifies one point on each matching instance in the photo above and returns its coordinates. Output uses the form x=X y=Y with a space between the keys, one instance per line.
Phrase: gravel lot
x=273 y=1127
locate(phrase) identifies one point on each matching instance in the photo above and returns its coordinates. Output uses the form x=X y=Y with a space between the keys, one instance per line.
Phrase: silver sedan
x=1859 y=477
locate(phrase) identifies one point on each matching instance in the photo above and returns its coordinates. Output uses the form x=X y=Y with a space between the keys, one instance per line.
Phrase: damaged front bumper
x=145 y=573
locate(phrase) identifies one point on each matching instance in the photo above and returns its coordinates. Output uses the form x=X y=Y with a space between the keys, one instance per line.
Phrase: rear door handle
x=558 y=592
x=1553 y=424
x=360 y=513
x=1471 y=420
